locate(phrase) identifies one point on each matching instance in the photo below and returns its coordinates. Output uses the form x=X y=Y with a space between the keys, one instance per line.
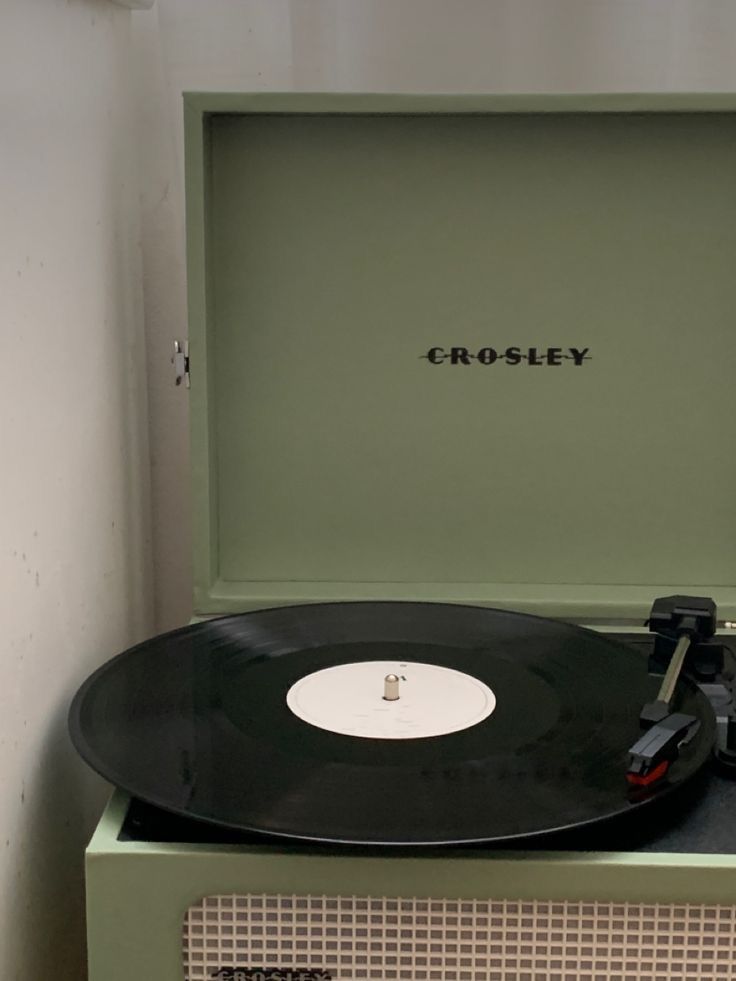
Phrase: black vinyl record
x=197 y=722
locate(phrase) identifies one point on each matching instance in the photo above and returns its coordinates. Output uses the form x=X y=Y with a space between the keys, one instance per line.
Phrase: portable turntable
x=461 y=413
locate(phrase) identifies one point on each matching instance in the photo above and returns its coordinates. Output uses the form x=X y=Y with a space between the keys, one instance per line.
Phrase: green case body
x=454 y=348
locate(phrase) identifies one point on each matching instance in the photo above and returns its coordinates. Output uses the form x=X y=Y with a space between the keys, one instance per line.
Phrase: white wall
x=75 y=578
x=74 y=527
x=367 y=45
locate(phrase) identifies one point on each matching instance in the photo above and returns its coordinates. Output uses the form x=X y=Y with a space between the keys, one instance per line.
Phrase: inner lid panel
x=344 y=249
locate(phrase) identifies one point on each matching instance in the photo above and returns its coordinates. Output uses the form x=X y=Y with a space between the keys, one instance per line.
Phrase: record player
x=461 y=412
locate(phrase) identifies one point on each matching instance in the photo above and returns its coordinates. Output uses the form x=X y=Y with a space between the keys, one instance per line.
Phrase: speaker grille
x=394 y=939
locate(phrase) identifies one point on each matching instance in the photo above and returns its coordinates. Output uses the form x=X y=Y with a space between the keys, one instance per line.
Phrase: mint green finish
x=137 y=893
x=334 y=239
x=331 y=240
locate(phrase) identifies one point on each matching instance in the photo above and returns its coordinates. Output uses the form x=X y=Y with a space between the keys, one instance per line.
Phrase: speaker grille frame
x=368 y=938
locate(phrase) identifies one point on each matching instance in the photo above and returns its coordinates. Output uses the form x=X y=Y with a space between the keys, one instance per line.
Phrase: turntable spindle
x=391 y=688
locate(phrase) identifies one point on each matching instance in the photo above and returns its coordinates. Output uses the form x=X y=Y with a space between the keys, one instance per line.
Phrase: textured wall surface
x=366 y=45
x=75 y=581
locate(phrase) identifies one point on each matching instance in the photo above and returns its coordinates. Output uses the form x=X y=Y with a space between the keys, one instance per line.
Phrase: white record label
x=349 y=699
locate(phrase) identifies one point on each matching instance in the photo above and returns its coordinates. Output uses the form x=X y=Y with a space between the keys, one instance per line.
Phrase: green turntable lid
x=463 y=348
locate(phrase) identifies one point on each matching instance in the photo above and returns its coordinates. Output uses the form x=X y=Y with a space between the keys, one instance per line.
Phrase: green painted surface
x=354 y=102
x=334 y=240
x=329 y=462
x=137 y=893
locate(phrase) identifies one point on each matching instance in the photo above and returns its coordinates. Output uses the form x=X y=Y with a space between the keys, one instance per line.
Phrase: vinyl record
x=286 y=722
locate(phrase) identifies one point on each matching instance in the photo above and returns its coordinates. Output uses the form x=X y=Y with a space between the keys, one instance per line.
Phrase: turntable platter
x=381 y=723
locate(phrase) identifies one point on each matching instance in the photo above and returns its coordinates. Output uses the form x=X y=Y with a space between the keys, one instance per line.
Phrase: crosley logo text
x=553 y=356
x=270 y=974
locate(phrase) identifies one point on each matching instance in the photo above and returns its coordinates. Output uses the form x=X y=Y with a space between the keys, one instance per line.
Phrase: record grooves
x=198 y=722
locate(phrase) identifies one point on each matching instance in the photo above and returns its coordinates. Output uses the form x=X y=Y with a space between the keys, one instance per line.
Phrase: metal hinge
x=180 y=362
